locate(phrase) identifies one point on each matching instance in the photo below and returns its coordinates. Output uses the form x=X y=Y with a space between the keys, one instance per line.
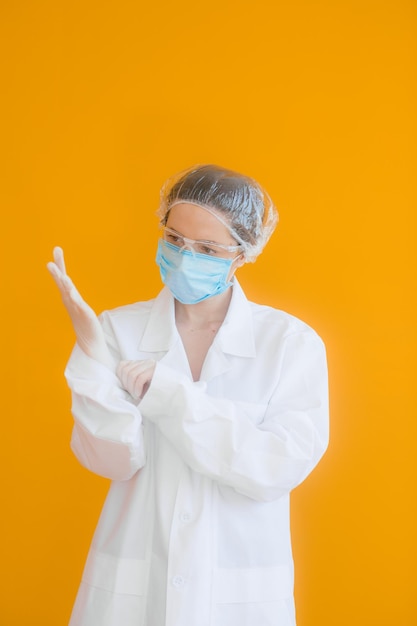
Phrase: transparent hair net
x=238 y=201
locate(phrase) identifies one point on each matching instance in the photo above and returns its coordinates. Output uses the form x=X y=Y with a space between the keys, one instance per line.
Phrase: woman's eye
x=207 y=250
x=174 y=239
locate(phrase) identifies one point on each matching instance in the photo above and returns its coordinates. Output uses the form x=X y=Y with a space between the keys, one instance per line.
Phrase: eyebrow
x=202 y=240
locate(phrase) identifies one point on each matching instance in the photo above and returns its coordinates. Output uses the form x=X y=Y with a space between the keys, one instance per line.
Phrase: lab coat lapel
x=235 y=337
x=160 y=333
x=161 y=339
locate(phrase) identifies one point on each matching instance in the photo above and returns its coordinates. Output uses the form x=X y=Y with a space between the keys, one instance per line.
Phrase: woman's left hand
x=136 y=376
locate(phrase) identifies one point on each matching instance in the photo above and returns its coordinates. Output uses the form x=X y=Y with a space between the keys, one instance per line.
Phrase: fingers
x=63 y=281
x=133 y=376
x=136 y=376
x=57 y=267
x=54 y=270
x=59 y=259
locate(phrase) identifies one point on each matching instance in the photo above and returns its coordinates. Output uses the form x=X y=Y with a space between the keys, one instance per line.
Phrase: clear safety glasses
x=199 y=246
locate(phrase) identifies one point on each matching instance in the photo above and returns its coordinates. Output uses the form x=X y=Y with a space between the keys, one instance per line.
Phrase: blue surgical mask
x=191 y=276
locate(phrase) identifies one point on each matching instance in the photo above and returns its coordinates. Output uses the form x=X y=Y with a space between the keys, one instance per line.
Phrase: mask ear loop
x=236 y=258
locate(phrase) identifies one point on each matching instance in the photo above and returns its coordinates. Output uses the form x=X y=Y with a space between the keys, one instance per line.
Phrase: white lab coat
x=195 y=528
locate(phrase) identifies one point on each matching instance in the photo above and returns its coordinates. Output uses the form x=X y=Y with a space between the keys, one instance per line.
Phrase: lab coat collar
x=235 y=336
x=160 y=332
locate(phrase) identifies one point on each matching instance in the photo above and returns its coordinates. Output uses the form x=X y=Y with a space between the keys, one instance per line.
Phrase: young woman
x=205 y=410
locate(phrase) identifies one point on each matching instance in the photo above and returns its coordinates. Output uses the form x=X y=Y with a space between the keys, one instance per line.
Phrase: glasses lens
x=172 y=237
x=200 y=247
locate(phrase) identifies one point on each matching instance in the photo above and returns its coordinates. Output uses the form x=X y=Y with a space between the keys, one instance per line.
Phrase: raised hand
x=90 y=336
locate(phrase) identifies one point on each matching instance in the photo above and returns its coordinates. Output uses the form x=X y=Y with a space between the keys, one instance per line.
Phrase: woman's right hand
x=90 y=335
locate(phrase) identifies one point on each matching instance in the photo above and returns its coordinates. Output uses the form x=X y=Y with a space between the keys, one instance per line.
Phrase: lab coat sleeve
x=107 y=437
x=262 y=461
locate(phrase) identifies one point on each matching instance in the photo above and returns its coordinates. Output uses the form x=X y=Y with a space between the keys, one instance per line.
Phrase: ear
x=240 y=261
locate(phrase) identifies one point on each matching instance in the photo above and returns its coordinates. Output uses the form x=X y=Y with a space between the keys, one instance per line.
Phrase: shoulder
x=275 y=322
x=127 y=318
x=129 y=310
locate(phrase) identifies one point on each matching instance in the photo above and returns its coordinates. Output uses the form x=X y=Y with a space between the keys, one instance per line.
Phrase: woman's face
x=194 y=222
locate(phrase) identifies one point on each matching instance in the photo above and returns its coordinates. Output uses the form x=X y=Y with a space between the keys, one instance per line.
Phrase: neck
x=212 y=310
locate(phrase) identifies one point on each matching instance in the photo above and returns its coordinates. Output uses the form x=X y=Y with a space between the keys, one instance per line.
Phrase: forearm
x=108 y=431
x=216 y=438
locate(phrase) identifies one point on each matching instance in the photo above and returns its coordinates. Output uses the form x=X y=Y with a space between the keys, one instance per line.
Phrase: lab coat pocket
x=247 y=596
x=253 y=410
x=252 y=584
x=117 y=575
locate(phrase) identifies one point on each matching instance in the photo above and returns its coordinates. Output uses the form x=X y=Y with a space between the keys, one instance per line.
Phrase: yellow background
x=101 y=101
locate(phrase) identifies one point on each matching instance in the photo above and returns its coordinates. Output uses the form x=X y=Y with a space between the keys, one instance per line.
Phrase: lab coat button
x=178 y=581
x=185 y=517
